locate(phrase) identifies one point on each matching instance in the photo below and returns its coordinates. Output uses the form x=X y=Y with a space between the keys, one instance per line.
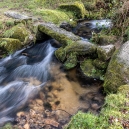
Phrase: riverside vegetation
x=100 y=59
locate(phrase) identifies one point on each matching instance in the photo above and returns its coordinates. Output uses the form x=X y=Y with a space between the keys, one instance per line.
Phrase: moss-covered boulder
x=105 y=52
x=102 y=65
x=10 y=44
x=77 y=8
x=61 y=35
x=55 y=16
x=90 y=71
x=117 y=73
x=69 y=54
x=21 y=33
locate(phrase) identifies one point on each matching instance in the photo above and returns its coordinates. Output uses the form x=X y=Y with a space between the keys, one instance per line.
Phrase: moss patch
x=102 y=65
x=55 y=16
x=19 y=32
x=10 y=45
x=89 y=70
x=77 y=8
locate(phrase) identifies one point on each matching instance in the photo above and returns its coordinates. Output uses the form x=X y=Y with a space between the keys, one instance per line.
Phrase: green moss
x=83 y=121
x=8 y=126
x=55 y=16
x=102 y=65
x=71 y=61
x=123 y=89
x=103 y=39
x=77 y=8
x=10 y=45
x=72 y=50
x=19 y=32
x=89 y=70
x=60 y=54
x=113 y=77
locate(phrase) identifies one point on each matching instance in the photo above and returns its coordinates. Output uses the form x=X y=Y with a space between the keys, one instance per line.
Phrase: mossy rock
x=90 y=71
x=105 y=52
x=102 y=65
x=10 y=44
x=19 y=32
x=61 y=35
x=77 y=8
x=55 y=16
x=103 y=39
x=71 y=61
x=117 y=73
x=69 y=53
x=60 y=54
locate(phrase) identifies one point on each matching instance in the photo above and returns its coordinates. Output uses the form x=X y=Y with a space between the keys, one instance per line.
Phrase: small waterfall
x=23 y=74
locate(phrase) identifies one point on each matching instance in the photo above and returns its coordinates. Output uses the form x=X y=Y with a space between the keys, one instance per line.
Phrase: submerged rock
x=105 y=52
x=10 y=44
x=118 y=69
x=77 y=8
x=21 y=33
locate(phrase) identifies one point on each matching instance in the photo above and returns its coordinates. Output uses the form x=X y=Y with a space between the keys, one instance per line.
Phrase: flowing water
x=33 y=79
x=17 y=72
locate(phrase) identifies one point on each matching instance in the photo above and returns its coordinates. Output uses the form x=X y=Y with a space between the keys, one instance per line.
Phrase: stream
x=34 y=83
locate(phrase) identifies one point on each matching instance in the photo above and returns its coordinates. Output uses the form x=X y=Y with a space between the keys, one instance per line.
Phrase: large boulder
x=118 y=69
x=61 y=35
